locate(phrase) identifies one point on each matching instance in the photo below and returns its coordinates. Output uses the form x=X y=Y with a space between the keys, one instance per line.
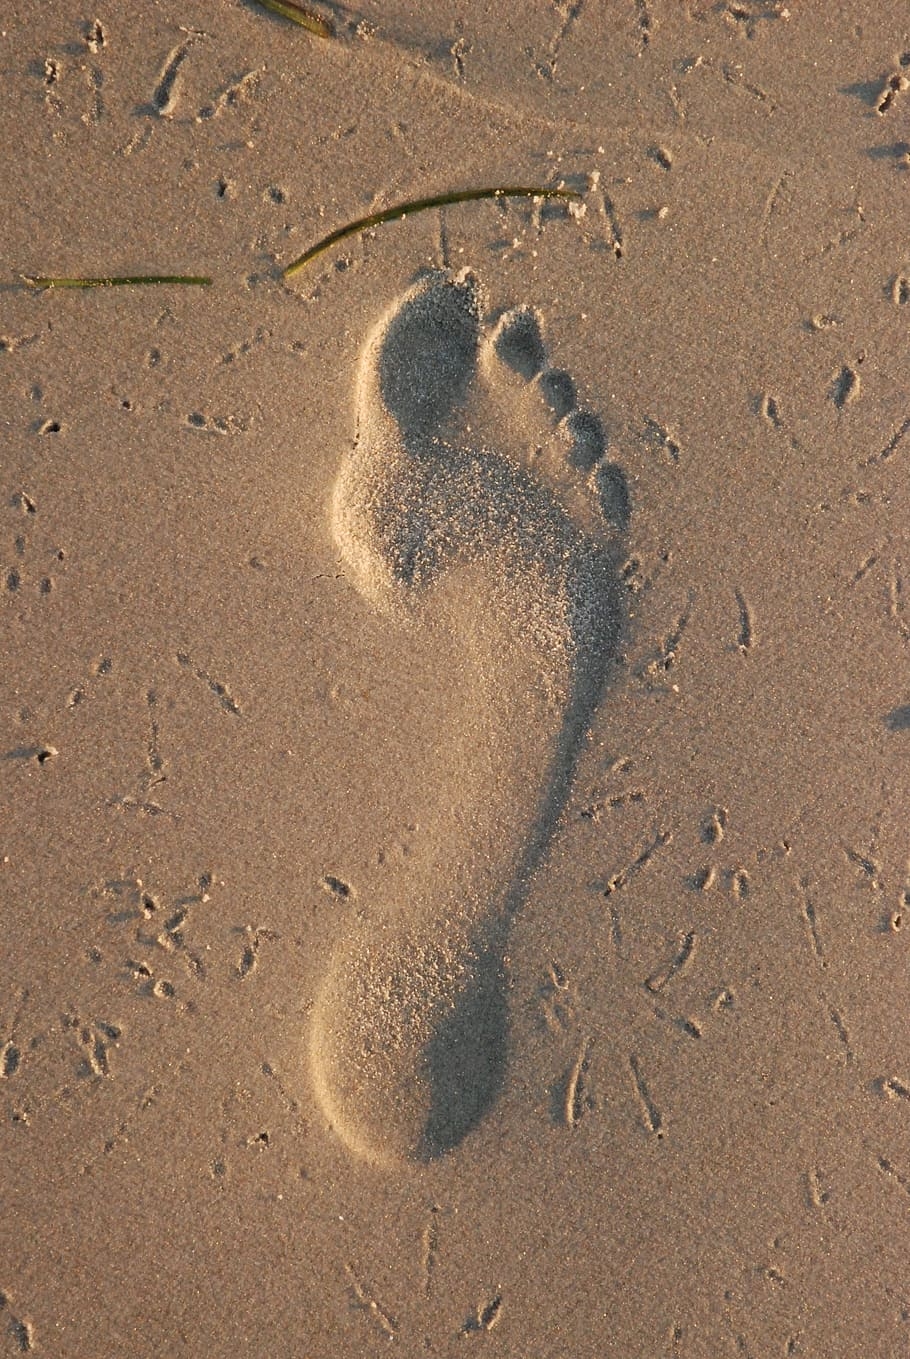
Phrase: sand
x=453 y=861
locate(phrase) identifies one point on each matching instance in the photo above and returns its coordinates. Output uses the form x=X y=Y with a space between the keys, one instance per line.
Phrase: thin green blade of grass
x=300 y=14
x=117 y=281
x=420 y=205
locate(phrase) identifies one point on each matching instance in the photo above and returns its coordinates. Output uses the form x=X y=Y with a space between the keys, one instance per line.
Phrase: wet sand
x=453 y=862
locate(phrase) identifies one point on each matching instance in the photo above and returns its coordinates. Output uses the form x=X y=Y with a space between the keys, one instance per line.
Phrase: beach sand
x=453 y=861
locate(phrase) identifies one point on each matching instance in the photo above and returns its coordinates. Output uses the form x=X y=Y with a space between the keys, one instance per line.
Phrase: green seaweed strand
x=420 y=205
x=299 y=14
x=122 y=281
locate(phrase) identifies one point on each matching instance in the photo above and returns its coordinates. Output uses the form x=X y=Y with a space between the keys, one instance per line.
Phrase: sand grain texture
x=453 y=865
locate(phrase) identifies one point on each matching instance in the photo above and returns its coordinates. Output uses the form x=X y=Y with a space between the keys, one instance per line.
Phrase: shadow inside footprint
x=466 y=1058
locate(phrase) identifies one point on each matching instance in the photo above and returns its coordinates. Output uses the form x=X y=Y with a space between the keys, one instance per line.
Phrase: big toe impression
x=428 y=353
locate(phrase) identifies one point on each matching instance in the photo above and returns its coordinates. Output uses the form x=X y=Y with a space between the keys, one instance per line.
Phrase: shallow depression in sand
x=439 y=515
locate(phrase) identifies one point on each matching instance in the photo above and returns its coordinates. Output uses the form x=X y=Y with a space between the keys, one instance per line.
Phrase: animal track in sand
x=447 y=512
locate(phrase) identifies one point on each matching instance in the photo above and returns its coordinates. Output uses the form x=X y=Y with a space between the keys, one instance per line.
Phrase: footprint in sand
x=447 y=517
